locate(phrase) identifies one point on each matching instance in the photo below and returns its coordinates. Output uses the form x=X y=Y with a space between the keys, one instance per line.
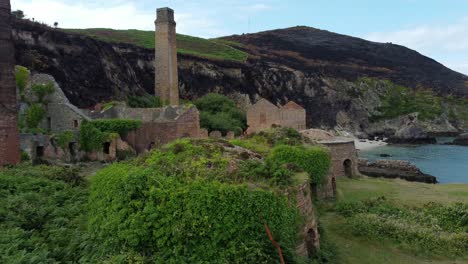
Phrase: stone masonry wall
x=153 y=134
x=344 y=163
x=9 y=134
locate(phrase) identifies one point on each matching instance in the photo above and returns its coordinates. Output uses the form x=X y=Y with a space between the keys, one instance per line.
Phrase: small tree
x=55 y=24
x=18 y=14
x=41 y=90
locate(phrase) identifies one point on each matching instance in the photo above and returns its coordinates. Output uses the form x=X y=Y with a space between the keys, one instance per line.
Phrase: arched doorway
x=348 y=169
x=311 y=242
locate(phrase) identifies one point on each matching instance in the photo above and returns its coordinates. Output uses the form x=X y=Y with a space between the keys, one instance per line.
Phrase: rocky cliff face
x=90 y=71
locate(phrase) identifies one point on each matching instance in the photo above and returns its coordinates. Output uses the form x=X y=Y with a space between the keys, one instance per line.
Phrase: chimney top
x=165 y=15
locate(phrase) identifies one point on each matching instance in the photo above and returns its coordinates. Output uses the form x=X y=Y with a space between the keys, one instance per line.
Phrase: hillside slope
x=341 y=56
x=317 y=69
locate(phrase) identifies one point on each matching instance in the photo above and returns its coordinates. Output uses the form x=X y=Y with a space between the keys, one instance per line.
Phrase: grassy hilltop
x=205 y=48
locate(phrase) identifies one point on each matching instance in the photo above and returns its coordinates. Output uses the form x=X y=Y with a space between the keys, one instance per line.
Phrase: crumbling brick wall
x=9 y=134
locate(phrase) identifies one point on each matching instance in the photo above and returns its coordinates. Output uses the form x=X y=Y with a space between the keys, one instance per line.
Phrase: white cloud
x=439 y=41
x=114 y=14
x=257 y=7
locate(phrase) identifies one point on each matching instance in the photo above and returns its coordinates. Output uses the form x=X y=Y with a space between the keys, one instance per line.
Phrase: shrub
x=313 y=160
x=34 y=115
x=119 y=126
x=93 y=134
x=42 y=218
x=166 y=219
x=22 y=79
x=146 y=101
x=434 y=228
x=188 y=158
x=64 y=138
x=218 y=112
x=41 y=90
x=91 y=138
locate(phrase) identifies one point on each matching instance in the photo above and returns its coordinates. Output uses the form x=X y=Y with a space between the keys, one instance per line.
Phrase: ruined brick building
x=9 y=134
x=263 y=115
x=159 y=125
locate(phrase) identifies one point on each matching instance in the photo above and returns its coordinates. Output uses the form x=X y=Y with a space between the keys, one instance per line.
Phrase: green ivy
x=64 y=138
x=41 y=90
x=218 y=112
x=34 y=114
x=22 y=79
x=137 y=210
x=93 y=134
x=119 y=126
x=313 y=160
x=145 y=101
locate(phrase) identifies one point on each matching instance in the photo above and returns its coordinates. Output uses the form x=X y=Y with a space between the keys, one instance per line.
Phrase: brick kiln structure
x=263 y=115
x=9 y=134
x=166 y=76
x=160 y=125
x=344 y=163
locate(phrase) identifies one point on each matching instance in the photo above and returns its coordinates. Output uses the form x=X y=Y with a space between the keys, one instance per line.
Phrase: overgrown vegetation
x=433 y=229
x=138 y=210
x=41 y=90
x=377 y=220
x=313 y=160
x=22 y=79
x=145 y=101
x=33 y=116
x=43 y=219
x=399 y=100
x=185 y=44
x=64 y=138
x=93 y=134
x=218 y=112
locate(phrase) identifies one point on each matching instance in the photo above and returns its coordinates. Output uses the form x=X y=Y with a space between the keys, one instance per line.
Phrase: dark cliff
x=312 y=67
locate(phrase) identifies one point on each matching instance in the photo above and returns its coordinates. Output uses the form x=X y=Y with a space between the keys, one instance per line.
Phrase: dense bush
x=139 y=211
x=119 y=126
x=218 y=112
x=313 y=160
x=93 y=134
x=64 y=138
x=145 y=101
x=41 y=90
x=188 y=158
x=399 y=100
x=22 y=79
x=43 y=216
x=264 y=141
x=34 y=115
x=435 y=229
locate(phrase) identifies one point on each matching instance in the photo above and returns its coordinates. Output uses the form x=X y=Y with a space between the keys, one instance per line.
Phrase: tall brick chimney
x=9 y=134
x=166 y=76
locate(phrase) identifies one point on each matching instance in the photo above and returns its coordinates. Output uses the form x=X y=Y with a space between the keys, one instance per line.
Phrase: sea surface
x=448 y=163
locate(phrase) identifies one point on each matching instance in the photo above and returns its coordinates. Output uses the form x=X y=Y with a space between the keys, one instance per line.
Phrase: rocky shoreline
x=393 y=169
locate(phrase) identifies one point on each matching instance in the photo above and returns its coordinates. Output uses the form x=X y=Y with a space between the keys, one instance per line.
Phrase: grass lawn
x=212 y=49
x=353 y=249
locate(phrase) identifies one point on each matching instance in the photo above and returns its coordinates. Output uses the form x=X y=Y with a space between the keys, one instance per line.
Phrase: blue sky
x=436 y=28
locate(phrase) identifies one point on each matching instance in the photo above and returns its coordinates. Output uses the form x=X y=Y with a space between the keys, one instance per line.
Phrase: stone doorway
x=39 y=151
x=348 y=169
x=106 y=148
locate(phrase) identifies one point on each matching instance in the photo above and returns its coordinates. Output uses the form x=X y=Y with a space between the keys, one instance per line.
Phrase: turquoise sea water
x=447 y=162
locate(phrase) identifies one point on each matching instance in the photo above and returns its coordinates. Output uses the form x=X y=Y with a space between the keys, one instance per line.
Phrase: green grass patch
x=409 y=223
x=185 y=44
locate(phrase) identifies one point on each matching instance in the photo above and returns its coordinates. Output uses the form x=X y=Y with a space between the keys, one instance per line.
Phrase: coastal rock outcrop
x=461 y=140
x=412 y=134
x=395 y=169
